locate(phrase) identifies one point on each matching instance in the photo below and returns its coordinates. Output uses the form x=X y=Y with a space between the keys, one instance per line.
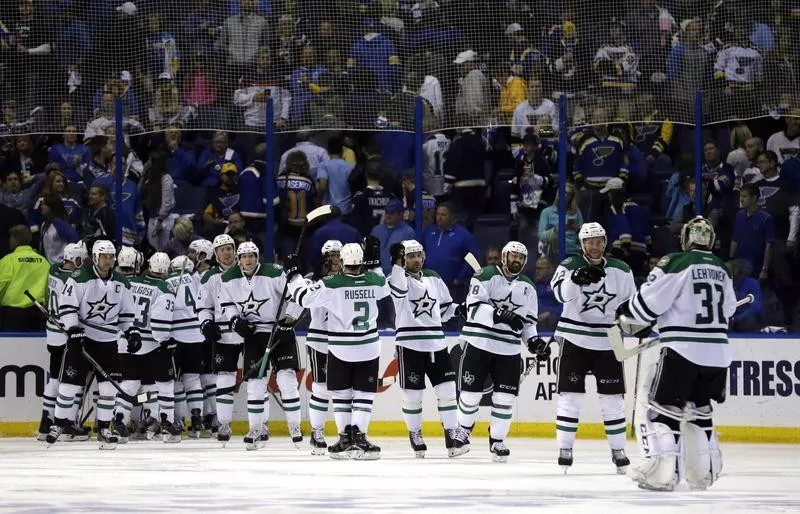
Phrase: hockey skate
x=499 y=450
x=119 y=429
x=44 y=427
x=105 y=438
x=196 y=425
x=224 y=433
x=317 y=440
x=54 y=434
x=620 y=460
x=152 y=428
x=264 y=437
x=253 y=439
x=296 y=435
x=340 y=450
x=460 y=438
x=75 y=433
x=210 y=426
x=170 y=432
x=417 y=444
x=452 y=451
x=361 y=448
x=565 y=458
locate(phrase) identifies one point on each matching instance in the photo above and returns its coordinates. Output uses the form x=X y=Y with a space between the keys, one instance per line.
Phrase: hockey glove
x=321 y=268
x=284 y=332
x=242 y=327
x=539 y=348
x=292 y=266
x=510 y=318
x=168 y=345
x=461 y=310
x=210 y=331
x=397 y=252
x=588 y=275
x=134 y=340
x=76 y=336
x=372 y=252
x=627 y=327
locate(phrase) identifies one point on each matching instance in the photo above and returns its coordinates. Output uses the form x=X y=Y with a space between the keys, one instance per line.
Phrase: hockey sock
x=151 y=406
x=65 y=401
x=106 y=400
x=568 y=410
x=448 y=410
x=500 y=420
x=49 y=397
x=362 y=409
x=318 y=405
x=79 y=402
x=256 y=387
x=166 y=400
x=124 y=407
x=468 y=403
x=412 y=409
x=194 y=391
x=290 y=396
x=225 y=382
x=180 y=401
x=613 y=409
x=342 y=408
x=209 y=383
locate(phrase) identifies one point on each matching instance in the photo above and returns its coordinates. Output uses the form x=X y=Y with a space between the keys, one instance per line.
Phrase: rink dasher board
x=761 y=405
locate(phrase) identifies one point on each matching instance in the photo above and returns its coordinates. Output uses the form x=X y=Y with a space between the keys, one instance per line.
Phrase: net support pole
x=119 y=176
x=562 y=177
x=418 y=135
x=269 y=183
x=698 y=153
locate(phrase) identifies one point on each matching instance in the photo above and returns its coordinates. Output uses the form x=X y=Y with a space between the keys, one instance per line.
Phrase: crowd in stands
x=194 y=78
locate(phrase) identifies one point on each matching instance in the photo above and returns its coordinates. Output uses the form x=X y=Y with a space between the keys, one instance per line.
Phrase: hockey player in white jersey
x=201 y=252
x=501 y=309
x=214 y=330
x=422 y=303
x=690 y=296
x=94 y=306
x=149 y=363
x=317 y=349
x=249 y=296
x=74 y=257
x=591 y=287
x=351 y=298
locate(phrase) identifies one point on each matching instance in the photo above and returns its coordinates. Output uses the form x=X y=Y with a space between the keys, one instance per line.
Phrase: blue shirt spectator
x=548 y=225
x=549 y=307
x=750 y=317
x=676 y=196
x=181 y=164
x=753 y=232
x=131 y=215
x=332 y=178
x=70 y=155
x=376 y=53
x=212 y=159
x=392 y=230
x=446 y=243
x=334 y=229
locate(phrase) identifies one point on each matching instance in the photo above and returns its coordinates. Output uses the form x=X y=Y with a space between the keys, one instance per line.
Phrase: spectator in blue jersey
x=750 y=317
x=677 y=196
x=370 y=202
x=181 y=163
x=130 y=212
x=549 y=307
x=119 y=87
x=376 y=53
x=70 y=154
x=99 y=221
x=392 y=230
x=409 y=187
x=304 y=83
x=753 y=232
x=222 y=200
x=25 y=158
x=446 y=243
x=15 y=195
x=332 y=178
x=336 y=229
x=212 y=159
x=55 y=231
x=252 y=203
x=719 y=179
x=627 y=225
x=164 y=55
x=548 y=226
x=297 y=199
x=56 y=184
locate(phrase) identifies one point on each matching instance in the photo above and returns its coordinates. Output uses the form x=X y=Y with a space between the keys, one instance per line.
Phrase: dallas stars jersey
x=489 y=290
x=254 y=299
x=352 y=303
x=589 y=310
x=208 y=307
x=691 y=295
x=101 y=307
x=420 y=305
x=185 y=323
x=317 y=337
x=153 y=304
x=55 y=284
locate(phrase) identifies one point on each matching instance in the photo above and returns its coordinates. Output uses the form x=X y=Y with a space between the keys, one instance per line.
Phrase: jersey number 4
x=712 y=298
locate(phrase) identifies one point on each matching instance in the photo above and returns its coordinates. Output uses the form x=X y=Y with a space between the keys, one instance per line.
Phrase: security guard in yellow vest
x=22 y=269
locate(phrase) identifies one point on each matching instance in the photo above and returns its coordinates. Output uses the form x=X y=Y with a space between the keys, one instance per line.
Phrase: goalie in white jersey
x=421 y=303
x=690 y=296
x=591 y=287
x=351 y=298
x=501 y=309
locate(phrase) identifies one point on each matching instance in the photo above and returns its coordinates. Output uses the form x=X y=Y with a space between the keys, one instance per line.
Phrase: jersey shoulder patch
x=611 y=262
x=574 y=262
x=487 y=273
x=83 y=274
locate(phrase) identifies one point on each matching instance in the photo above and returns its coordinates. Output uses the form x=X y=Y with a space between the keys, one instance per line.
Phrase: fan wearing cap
x=212 y=159
x=376 y=53
x=391 y=231
x=224 y=199
x=591 y=287
x=472 y=101
x=628 y=229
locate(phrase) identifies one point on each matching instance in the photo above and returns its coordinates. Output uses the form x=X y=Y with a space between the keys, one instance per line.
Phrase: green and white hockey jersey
x=488 y=290
x=208 y=307
x=153 y=304
x=421 y=305
x=589 y=311
x=352 y=303
x=102 y=307
x=185 y=323
x=255 y=298
x=317 y=336
x=55 y=285
x=691 y=295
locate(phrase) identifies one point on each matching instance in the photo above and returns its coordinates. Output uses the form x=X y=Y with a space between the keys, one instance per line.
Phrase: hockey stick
x=473 y=262
x=81 y=419
x=621 y=352
x=139 y=398
x=533 y=364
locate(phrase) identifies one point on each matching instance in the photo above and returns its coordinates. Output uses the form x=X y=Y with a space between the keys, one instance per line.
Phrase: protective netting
x=358 y=64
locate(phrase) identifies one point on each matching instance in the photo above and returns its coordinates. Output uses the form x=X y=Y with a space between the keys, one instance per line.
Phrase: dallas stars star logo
x=424 y=305
x=100 y=308
x=506 y=303
x=597 y=299
x=251 y=305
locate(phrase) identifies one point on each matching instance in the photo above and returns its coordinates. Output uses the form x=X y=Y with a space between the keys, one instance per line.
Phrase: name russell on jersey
x=358 y=295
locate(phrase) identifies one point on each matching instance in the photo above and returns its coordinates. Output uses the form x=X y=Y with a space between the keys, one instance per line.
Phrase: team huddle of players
x=176 y=333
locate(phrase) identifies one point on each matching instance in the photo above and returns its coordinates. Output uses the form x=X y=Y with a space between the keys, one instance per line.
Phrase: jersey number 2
x=709 y=310
x=361 y=322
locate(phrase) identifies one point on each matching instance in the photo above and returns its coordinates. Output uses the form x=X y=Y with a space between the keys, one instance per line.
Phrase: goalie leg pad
x=700 y=451
x=657 y=437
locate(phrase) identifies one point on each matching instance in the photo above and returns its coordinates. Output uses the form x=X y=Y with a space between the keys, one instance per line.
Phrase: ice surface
x=201 y=476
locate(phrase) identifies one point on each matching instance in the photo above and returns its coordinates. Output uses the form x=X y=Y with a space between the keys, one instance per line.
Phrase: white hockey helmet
x=102 y=247
x=159 y=263
x=75 y=253
x=245 y=248
x=331 y=246
x=513 y=246
x=697 y=232
x=203 y=248
x=181 y=264
x=590 y=230
x=222 y=240
x=352 y=255
x=412 y=246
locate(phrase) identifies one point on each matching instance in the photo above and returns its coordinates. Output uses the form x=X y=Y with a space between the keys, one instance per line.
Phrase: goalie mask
x=697 y=233
x=511 y=264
